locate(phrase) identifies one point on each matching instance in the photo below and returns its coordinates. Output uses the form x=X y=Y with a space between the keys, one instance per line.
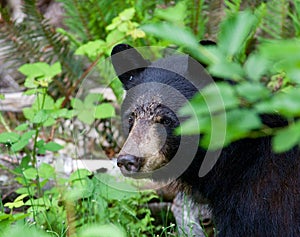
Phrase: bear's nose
x=129 y=162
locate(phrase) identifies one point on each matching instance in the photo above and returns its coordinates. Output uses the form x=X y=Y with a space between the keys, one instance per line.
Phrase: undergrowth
x=257 y=50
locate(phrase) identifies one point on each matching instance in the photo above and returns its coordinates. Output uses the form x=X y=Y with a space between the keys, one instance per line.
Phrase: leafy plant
x=35 y=40
x=88 y=197
x=261 y=76
x=89 y=110
x=252 y=90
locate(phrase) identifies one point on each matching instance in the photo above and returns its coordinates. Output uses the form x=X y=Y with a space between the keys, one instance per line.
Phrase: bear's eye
x=131 y=119
x=166 y=121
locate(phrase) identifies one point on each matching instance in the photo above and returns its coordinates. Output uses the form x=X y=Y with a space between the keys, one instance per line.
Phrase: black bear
x=251 y=190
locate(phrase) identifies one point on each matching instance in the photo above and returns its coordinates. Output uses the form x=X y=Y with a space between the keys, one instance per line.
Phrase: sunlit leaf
x=104 y=110
x=108 y=230
x=9 y=137
x=286 y=138
x=52 y=146
x=234 y=31
x=46 y=171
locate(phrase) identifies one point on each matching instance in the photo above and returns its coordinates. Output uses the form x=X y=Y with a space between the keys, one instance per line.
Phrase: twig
x=2 y=120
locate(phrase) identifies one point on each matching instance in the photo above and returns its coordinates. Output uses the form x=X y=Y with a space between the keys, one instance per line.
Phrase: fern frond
x=294 y=14
x=87 y=19
x=276 y=23
x=198 y=17
x=35 y=40
x=233 y=6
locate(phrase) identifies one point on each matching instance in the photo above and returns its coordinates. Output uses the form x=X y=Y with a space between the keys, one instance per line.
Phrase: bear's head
x=155 y=91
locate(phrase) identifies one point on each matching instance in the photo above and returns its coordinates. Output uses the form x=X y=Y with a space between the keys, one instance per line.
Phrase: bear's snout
x=129 y=163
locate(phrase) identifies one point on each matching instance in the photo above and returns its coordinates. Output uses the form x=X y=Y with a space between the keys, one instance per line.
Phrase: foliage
x=34 y=40
x=88 y=110
x=254 y=90
x=90 y=20
x=88 y=196
x=82 y=195
x=258 y=59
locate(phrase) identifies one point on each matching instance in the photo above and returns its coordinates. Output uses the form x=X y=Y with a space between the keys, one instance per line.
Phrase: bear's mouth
x=140 y=167
x=133 y=170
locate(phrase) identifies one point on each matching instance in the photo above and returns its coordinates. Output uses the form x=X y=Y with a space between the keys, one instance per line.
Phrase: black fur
x=252 y=191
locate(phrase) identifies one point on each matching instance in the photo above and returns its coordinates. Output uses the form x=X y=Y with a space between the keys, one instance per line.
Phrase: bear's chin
x=136 y=175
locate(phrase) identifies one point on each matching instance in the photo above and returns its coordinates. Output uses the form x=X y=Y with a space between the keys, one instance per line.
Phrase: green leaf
x=104 y=110
x=287 y=103
x=60 y=113
x=240 y=122
x=124 y=16
x=91 y=49
x=40 y=71
x=15 y=204
x=253 y=91
x=113 y=38
x=175 y=14
x=115 y=22
x=40 y=117
x=30 y=173
x=21 y=197
x=47 y=105
x=226 y=69
x=55 y=69
x=27 y=135
x=29 y=113
x=26 y=190
x=23 y=230
x=19 y=145
x=123 y=27
x=77 y=104
x=172 y=33
x=259 y=63
x=49 y=122
x=9 y=137
x=87 y=115
x=46 y=171
x=209 y=108
x=286 y=138
x=108 y=230
x=91 y=99
x=217 y=97
x=39 y=202
x=79 y=174
x=22 y=127
x=40 y=143
x=127 y=14
x=83 y=188
x=111 y=189
x=41 y=147
x=34 y=70
x=59 y=102
x=195 y=126
x=85 y=110
x=49 y=102
x=25 y=162
x=117 y=88
x=285 y=55
x=181 y=37
x=52 y=146
x=234 y=31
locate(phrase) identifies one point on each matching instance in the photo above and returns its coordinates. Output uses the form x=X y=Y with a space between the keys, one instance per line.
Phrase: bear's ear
x=128 y=63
